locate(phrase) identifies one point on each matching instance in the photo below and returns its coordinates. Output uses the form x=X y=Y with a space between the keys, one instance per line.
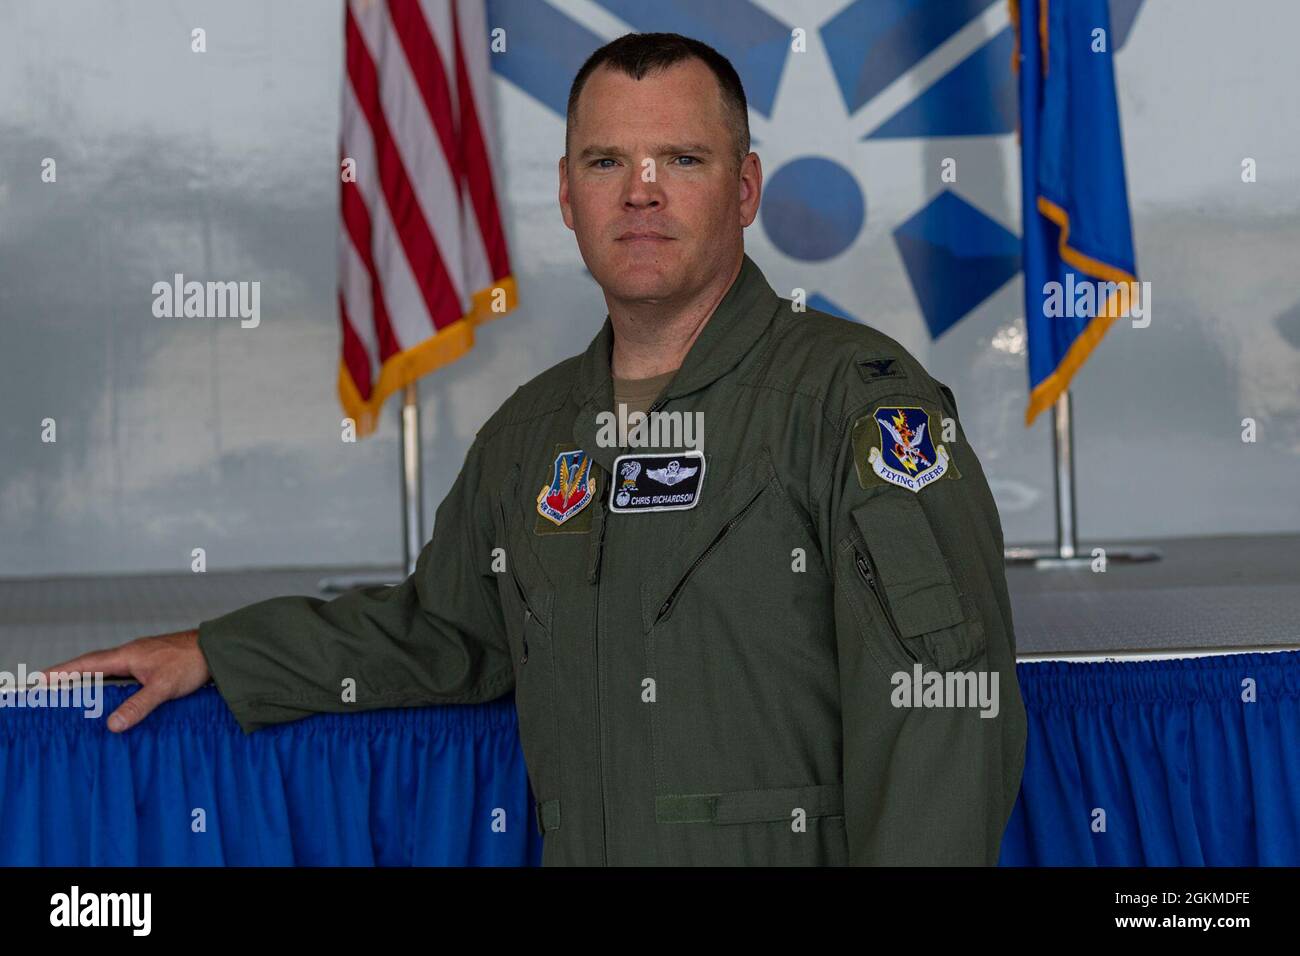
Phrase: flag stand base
x=1048 y=559
x=1066 y=556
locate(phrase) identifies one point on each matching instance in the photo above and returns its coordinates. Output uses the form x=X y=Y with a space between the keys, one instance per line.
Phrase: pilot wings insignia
x=672 y=473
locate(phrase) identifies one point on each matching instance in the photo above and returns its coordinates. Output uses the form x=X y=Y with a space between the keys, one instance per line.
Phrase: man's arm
x=436 y=638
x=929 y=777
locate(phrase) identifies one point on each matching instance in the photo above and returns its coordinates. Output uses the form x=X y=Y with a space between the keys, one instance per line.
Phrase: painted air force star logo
x=571 y=489
x=907 y=455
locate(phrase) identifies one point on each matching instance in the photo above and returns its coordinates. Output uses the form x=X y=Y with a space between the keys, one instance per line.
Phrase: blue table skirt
x=1128 y=764
x=1185 y=769
x=410 y=786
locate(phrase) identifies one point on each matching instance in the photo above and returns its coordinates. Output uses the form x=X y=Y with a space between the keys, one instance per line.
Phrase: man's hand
x=168 y=665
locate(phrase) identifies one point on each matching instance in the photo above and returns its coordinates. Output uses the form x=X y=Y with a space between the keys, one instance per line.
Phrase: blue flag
x=1079 y=264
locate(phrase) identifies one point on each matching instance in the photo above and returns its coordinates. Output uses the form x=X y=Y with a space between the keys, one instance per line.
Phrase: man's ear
x=565 y=211
x=751 y=188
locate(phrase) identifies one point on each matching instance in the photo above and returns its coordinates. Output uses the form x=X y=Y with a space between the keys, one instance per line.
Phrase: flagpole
x=1066 y=553
x=412 y=505
x=1063 y=453
x=412 y=499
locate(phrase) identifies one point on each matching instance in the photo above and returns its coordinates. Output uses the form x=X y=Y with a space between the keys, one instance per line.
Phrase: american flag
x=422 y=256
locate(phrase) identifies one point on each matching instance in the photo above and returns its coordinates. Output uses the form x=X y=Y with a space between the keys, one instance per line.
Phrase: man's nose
x=641 y=192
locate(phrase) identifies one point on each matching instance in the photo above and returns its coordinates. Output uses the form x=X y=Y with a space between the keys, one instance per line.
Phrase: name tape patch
x=668 y=482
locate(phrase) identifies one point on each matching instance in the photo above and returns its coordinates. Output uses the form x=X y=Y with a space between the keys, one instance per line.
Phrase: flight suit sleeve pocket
x=915 y=583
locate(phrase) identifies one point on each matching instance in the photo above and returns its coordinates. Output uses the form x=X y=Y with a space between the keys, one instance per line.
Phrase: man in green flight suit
x=767 y=623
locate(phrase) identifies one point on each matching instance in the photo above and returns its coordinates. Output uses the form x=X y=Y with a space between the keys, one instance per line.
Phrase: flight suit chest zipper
x=600 y=730
x=523 y=598
x=528 y=615
x=868 y=576
x=717 y=540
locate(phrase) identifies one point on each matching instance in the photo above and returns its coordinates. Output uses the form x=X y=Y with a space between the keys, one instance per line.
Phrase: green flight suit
x=716 y=684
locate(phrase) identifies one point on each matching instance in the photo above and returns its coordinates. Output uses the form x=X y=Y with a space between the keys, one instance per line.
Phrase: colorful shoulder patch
x=896 y=444
x=571 y=489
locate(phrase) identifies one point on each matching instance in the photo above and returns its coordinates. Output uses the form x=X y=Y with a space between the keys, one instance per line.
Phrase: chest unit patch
x=572 y=488
x=670 y=482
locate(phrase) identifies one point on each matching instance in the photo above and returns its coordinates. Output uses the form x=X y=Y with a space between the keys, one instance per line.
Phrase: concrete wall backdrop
x=183 y=433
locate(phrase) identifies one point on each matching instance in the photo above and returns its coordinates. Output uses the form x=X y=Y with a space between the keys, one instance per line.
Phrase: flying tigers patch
x=669 y=482
x=896 y=444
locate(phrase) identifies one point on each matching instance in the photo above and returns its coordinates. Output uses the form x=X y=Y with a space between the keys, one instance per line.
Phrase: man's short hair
x=636 y=54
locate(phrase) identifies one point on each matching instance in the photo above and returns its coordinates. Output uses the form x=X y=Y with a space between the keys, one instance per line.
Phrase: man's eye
x=693 y=160
x=597 y=162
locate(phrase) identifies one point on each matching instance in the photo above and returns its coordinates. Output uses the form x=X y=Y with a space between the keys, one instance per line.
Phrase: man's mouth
x=644 y=236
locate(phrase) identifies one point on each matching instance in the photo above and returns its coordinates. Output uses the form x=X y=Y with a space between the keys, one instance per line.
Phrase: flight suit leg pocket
x=898 y=562
x=779 y=804
x=780 y=826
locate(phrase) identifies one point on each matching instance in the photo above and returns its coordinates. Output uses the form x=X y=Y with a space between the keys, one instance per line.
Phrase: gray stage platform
x=1239 y=592
x=1207 y=594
